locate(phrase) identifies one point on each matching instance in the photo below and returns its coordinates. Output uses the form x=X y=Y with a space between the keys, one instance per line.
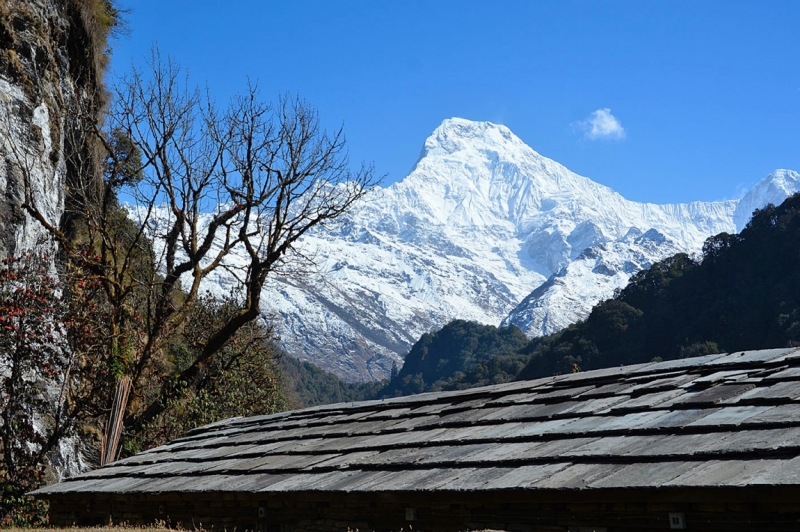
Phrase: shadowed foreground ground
x=157 y=528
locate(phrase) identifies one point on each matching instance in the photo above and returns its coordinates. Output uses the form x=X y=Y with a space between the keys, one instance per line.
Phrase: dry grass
x=124 y=528
x=116 y=528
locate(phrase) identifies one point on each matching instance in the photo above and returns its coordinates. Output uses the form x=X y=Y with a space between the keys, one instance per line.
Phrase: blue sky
x=664 y=101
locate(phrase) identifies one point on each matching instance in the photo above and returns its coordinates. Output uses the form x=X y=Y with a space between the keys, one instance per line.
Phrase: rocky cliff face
x=51 y=58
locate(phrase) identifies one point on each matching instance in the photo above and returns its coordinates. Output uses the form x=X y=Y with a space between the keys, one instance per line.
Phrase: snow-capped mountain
x=480 y=222
x=568 y=295
x=775 y=188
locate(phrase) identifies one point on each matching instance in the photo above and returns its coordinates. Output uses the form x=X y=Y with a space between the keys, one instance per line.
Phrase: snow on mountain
x=774 y=188
x=569 y=294
x=564 y=298
x=480 y=222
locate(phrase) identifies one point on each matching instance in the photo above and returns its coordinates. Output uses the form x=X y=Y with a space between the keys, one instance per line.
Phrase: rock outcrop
x=52 y=55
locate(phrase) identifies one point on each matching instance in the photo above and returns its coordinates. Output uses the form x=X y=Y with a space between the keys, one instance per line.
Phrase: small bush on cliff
x=33 y=357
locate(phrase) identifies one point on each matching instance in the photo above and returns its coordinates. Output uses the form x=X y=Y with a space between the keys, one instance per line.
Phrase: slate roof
x=719 y=420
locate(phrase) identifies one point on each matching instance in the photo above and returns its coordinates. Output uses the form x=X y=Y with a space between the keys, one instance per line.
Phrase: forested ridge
x=308 y=385
x=462 y=354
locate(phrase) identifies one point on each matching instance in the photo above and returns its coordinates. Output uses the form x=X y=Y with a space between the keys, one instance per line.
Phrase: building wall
x=561 y=510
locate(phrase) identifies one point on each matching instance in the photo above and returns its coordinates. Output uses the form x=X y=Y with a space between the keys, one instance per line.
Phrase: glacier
x=483 y=228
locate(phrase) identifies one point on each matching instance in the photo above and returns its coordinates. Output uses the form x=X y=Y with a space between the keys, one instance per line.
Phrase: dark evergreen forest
x=462 y=354
x=308 y=385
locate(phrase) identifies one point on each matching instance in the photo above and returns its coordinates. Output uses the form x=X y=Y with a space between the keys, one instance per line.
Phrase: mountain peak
x=480 y=222
x=465 y=128
x=774 y=188
x=786 y=180
x=457 y=134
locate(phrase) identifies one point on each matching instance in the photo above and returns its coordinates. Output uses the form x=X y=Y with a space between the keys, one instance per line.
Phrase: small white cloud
x=601 y=124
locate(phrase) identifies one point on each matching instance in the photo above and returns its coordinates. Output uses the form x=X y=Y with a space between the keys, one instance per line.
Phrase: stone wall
x=767 y=508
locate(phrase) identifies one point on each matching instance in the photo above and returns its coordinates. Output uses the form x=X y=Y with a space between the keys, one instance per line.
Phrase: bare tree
x=204 y=184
